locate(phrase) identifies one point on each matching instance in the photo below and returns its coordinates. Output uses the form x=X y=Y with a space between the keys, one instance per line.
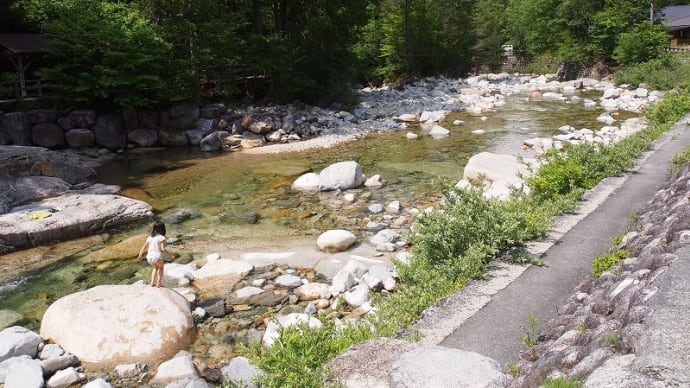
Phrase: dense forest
x=145 y=52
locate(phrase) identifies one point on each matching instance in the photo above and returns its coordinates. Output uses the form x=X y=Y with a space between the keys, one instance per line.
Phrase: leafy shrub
x=542 y=65
x=680 y=159
x=110 y=54
x=469 y=230
x=558 y=176
x=664 y=73
x=561 y=382
x=603 y=262
x=641 y=44
x=670 y=109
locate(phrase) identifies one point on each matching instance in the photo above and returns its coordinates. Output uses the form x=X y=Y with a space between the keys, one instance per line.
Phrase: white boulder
x=18 y=341
x=341 y=176
x=307 y=182
x=497 y=173
x=177 y=368
x=114 y=323
x=336 y=240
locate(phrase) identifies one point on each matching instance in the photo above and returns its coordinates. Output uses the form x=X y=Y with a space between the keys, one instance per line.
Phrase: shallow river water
x=236 y=195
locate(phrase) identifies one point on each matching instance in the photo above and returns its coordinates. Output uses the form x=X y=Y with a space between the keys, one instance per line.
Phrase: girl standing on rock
x=156 y=249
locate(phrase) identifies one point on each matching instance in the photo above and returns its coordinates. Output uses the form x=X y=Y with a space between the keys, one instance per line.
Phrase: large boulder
x=83 y=118
x=171 y=137
x=32 y=173
x=120 y=323
x=336 y=240
x=48 y=135
x=110 y=132
x=143 y=137
x=17 y=341
x=436 y=366
x=70 y=215
x=341 y=176
x=217 y=277
x=497 y=174
x=307 y=182
x=212 y=141
x=15 y=128
x=37 y=116
x=80 y=138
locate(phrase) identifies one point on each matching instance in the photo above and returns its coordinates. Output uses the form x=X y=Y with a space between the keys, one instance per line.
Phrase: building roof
x=24 y=43
x=675 y=17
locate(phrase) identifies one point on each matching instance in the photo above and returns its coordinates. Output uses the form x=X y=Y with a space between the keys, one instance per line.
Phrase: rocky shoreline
x=427 y=101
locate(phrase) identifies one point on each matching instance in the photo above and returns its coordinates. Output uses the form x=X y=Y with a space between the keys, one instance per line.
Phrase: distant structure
x=21 y=50
x=676 y=20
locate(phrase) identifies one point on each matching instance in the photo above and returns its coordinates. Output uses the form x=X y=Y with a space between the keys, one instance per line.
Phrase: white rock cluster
x=27 y=361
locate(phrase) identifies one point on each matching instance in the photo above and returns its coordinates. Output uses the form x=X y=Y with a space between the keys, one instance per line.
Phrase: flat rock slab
x=68 y=216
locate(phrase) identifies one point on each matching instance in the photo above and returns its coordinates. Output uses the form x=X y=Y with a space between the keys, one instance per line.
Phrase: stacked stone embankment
x=627 y=327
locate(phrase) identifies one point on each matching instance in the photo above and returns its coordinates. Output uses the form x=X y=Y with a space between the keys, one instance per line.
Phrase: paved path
x=495 y=330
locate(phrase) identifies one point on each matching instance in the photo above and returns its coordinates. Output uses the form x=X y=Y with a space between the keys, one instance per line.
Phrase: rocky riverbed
x=425 y=102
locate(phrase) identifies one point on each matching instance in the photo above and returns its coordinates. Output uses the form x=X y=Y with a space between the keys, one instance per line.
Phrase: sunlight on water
x=237 y=195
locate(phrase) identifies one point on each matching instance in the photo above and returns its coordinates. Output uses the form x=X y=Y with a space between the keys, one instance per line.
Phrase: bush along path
x=458 y=243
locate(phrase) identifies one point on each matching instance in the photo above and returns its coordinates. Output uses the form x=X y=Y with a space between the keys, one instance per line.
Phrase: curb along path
x=496 y=329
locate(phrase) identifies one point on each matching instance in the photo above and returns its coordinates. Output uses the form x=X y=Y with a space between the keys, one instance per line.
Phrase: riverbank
x=601 y=334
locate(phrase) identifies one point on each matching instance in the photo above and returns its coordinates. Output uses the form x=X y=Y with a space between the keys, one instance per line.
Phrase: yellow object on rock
x=39 y=214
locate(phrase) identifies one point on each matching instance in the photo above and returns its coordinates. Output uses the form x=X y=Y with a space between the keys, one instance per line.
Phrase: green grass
x=561 y=382
x=457 y=242
x=603 y=262
x=679 y=159
x=661 y=74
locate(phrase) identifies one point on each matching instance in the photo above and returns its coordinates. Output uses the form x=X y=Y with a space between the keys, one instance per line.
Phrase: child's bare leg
x=159 y=273
x=153 y=275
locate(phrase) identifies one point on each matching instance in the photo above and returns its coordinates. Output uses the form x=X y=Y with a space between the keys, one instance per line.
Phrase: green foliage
x=531 y=336
x=618 y=240
x=611 y=338
x=579 y=31
x=663 y=73
x=513 y=368
x=603 y=262
x=561 y=382
x=642 y=44
x=466 y=234
x=298 y=356
x=680 y=159
x=543 y=64
x=559 y=175
x=416 y=38
x=204 y=45
x=104 y=53
x=669 y=110
x=488 y=20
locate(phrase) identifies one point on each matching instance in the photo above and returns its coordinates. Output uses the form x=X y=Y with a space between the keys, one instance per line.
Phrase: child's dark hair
x=158 y=228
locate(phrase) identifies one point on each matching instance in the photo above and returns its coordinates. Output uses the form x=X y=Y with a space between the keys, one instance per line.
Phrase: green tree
x=489 y=34
x=104 y=53
x=642 y=44
x=532 y=28
x=305 y=47
x=204 y=44
x=420 y=38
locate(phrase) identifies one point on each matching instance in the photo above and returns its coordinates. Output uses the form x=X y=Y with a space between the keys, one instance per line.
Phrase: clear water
x=226 y=189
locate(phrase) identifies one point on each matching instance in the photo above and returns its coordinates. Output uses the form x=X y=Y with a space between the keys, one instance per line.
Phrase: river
x=246 y=198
